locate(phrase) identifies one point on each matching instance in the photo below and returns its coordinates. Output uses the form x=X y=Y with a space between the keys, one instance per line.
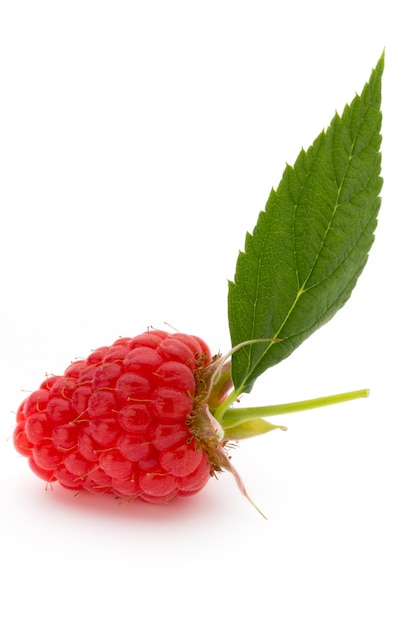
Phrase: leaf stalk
x=235 y=416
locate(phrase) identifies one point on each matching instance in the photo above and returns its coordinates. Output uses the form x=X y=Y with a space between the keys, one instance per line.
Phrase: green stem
x=233 y=417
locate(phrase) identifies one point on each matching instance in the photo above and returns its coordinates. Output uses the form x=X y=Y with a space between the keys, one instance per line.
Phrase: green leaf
x=311 y=242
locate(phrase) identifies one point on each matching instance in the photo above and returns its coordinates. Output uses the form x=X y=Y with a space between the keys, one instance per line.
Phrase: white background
x=138 y=143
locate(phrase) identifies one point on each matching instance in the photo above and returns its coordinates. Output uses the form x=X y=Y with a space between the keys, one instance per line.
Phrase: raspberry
x=127 y=420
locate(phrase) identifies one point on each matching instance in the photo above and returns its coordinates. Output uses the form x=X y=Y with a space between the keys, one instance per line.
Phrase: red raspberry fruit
x=131 y=420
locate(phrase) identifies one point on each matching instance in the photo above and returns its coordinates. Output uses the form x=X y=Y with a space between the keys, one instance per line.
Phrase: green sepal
x=251 y=428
